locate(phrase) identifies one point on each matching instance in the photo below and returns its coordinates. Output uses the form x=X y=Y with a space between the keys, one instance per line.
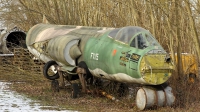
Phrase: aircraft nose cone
x=154 y=69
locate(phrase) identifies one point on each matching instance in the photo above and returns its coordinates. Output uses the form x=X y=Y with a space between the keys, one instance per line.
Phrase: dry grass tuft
x=186 y=93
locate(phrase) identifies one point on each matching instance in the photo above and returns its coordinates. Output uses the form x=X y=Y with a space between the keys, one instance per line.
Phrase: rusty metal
x=81 y=72
x=107 y=95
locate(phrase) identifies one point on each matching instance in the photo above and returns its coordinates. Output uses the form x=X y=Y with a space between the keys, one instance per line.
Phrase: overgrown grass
x=187 y=93
x=38 y=88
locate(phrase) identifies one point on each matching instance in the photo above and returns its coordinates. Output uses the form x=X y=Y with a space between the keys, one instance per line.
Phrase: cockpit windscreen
x=134 y=36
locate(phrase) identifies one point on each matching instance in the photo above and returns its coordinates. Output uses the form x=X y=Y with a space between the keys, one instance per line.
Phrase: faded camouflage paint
x=3 y=47
x=43 y=33
x=106 y=57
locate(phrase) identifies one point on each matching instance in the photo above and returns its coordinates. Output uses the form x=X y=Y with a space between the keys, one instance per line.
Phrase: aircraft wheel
x=55 y=85
x=75 y=90
x=49 y=70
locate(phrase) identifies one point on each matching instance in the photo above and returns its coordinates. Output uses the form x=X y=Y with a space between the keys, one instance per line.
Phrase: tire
x=46 y=68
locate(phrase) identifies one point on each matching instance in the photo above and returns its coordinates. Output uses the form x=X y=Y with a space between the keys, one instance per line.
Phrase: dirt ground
x=35 y=86
x=11 y=101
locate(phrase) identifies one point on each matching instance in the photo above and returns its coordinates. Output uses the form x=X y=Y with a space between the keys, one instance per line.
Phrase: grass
x=36 y=87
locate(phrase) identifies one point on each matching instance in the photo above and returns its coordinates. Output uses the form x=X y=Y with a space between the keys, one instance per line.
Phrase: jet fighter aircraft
x=129 y=55
x=10 y=39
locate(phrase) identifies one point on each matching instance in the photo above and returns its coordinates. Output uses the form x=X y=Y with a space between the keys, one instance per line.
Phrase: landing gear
x=55 y=85
x=50 y=71
x=75 y=90
x=80 y=74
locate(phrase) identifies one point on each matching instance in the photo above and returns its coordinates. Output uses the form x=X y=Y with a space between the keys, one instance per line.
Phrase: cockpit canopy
x=134 y=36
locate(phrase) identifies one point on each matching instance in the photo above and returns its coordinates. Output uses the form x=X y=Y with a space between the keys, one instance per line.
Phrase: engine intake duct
x=64 y=49
x=12 y=39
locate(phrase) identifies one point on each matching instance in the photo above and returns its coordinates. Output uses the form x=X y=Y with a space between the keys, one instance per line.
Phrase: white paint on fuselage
x=121 y=77
x=38 y=54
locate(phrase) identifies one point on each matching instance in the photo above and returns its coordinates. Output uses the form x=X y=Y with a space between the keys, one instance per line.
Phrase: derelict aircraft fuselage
x=128 y=54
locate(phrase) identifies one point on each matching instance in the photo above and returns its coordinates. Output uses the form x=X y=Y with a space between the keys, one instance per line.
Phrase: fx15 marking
x=94 y=56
